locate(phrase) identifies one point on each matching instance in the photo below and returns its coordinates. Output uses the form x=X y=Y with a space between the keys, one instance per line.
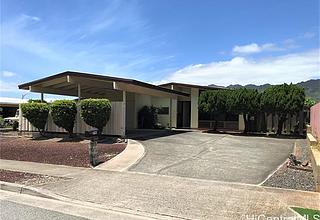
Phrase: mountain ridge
x=311 y=87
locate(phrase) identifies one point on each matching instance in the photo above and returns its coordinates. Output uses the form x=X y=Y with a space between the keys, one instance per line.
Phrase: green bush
x=147 y=117
x=96 y=112
x=15 y=126
x=36 y=113
x=64 y=114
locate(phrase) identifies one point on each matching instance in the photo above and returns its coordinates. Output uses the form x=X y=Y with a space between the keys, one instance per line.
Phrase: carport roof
x=101 y=78
x=192 y=86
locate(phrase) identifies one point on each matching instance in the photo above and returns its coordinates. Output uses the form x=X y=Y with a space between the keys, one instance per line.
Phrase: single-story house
x=9 y=106
x=177 y=102
x=127 y=97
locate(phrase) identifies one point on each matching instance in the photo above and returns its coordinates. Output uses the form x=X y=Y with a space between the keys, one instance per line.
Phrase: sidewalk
x=168 y=196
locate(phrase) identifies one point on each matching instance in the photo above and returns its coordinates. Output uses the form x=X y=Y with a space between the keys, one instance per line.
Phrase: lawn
x=309 y=214
x=55 y=152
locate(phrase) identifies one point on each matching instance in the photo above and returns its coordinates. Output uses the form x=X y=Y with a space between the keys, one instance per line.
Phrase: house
x=177 y=102
x=9 y=106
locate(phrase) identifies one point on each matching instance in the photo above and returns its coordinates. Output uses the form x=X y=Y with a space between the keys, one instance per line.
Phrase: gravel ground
x=27 y=178
x=55 y=152
x=293 y=179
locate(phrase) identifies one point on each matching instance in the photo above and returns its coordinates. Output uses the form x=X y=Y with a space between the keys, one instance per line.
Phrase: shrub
x=147 y=117
x=36 y=113
x=15 y=126
x=96 y=112
x=64 y=114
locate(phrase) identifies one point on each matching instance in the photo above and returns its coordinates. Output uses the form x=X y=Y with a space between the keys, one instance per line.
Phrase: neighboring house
x=9 y=106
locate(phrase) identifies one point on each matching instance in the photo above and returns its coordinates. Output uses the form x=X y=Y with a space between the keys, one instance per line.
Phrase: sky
x=202 y=42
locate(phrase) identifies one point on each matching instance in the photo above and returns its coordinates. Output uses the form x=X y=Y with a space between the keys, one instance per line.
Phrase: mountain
x=311 y=87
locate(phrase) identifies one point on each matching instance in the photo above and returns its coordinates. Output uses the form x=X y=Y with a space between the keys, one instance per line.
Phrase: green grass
x=309 y=214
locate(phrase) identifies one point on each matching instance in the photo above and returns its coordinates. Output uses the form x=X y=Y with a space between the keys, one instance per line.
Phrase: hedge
x=95 y=112
x=64 y=113
x=36 y=113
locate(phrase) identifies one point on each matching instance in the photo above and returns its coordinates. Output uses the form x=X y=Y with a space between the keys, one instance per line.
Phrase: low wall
x=113 y=127
x=313 y=137
x=315 y=120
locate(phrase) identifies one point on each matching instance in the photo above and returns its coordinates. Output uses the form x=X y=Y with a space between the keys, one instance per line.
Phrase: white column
x=123 y=126
x=78 y=127
x=194 y=107
x=170 y=116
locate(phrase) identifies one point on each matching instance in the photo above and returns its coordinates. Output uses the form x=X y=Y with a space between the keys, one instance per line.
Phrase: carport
x=126 y=95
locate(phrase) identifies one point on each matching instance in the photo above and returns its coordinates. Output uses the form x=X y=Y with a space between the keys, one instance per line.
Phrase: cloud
x=8 y=73
x=308 y=35
x=254 y=48
x=8 y=87
x=240 y=70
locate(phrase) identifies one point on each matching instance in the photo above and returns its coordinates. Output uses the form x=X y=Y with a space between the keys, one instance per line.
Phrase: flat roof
x=192 y=85
x=100 y=77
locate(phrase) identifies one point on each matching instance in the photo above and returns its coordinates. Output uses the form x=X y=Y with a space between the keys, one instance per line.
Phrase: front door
x=183 y=114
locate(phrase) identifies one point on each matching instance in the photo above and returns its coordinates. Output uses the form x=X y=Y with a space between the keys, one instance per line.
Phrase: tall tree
x=283 y=100
x=213 y=102
x=244 y=101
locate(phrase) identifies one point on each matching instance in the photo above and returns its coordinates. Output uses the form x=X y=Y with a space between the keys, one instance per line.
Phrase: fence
x=113 y=127
x=315 y=120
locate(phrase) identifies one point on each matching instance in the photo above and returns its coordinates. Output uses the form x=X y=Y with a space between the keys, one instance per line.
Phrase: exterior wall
x=241 y=123
x=165 y=119
x=140 y=101
x=113 y=127
x=131 y=116
x=194 y=107
x=315 y=120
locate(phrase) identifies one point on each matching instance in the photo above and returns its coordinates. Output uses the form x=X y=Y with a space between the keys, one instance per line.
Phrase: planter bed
x=56 y=151
x=26 y=178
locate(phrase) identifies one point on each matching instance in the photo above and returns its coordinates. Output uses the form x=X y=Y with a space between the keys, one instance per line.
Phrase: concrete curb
x=27 y=190
x=131 y=155
x=46 y=194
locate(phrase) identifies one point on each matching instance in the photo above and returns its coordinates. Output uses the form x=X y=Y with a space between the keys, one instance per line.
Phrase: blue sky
x=201 y=42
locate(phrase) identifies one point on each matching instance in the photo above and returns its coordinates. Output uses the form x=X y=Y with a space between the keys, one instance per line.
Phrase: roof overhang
x=191 y=86
x=93 y=85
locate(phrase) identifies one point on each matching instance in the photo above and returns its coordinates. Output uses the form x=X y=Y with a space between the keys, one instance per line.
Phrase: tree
x=213 y=102
x=64 y=114
x=283 y=100
x=309 y=102
x=96 y=112
x=244 y=101
x=36 y=113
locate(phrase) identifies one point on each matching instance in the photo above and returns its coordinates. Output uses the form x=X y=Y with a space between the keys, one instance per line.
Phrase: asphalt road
x=231 y=158
x=16 y=211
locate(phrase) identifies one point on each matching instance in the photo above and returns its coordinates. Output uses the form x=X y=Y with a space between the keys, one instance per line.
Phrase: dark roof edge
x=101 y=77
x=192 y=85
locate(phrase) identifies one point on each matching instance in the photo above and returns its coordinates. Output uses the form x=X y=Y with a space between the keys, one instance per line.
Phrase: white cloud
x=239 y=70
x=8 y=73
x=308 y=35
x=254 y=48
x=8 y=86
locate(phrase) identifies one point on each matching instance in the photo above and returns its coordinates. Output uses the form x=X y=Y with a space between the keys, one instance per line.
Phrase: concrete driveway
x=214 y=156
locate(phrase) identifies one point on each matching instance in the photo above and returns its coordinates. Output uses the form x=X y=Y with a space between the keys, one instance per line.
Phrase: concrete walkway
x=168 y=196
x=245 y=159
x=127 y=158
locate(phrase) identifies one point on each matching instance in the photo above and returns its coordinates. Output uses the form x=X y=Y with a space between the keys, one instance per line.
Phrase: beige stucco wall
x=194 y=107
x=165 y=102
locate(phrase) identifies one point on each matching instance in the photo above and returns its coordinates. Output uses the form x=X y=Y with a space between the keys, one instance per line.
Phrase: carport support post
x=78 y=110
x=124 y=100
x=41 y=97
x=170 y=121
